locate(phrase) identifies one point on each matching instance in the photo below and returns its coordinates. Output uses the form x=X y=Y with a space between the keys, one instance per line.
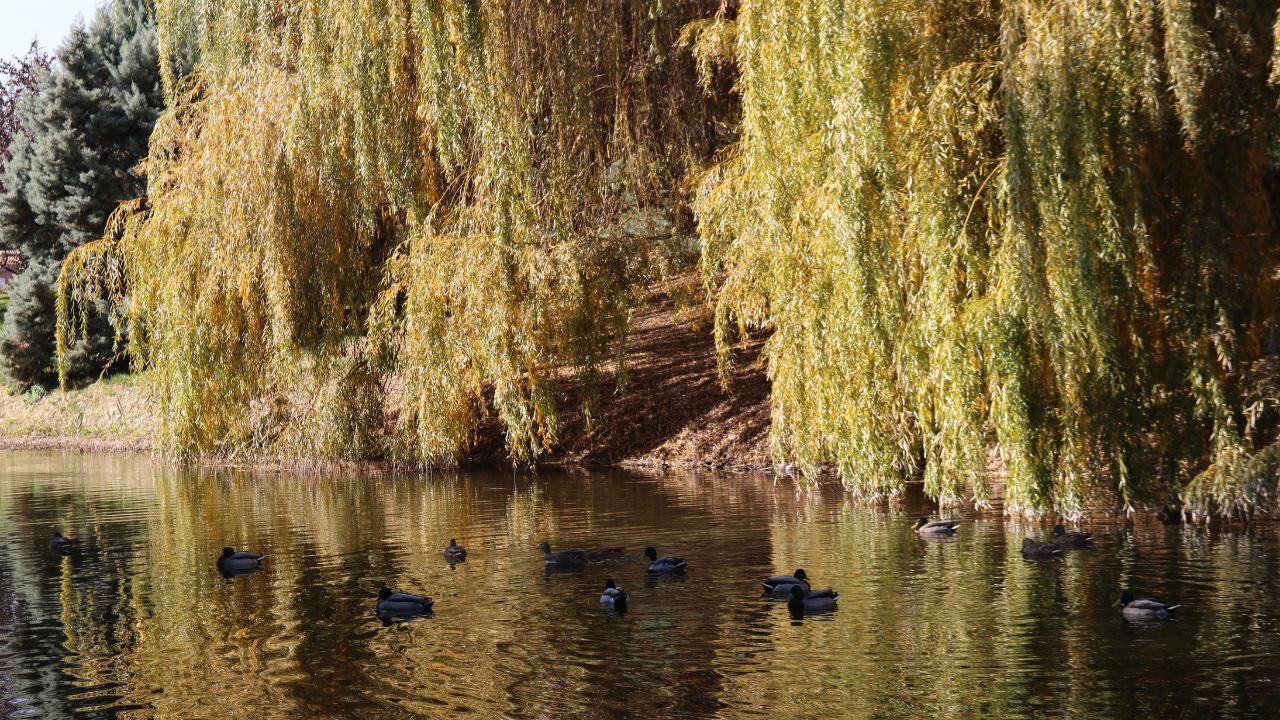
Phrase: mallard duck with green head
x=811 y=601
x=394 y=603
x=231 y=561
x=782 y=584
x=614 y=597
x=663 y=564
x=925 y=526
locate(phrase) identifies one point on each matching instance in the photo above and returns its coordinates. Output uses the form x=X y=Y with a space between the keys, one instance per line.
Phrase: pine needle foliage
x=84 y=127
x=371 y=222
x=1035 y=226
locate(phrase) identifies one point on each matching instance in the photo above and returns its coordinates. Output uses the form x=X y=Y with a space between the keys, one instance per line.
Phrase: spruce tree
x=88 y=128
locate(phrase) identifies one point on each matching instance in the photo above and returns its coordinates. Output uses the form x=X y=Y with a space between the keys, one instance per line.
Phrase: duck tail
x=767 y=586
x=1171 y=608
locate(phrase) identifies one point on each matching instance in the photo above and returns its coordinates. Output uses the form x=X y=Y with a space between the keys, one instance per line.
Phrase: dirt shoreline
x=675 y=413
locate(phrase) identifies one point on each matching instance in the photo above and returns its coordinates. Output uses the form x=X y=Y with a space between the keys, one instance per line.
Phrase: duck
x=664 y=564
x=1145 y=607
x=390 y=603
x=614 y=597
x=1031 y=548
x=232 y=560
x=803 y=600
x=59 y=544
x=564 y=557
x=455 y=553
x=924 y=526
x=1073 y=539
x=606 y=553
x=782 y=584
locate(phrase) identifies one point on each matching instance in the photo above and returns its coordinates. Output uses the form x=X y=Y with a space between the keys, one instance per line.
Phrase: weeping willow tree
x=1029 y=236
x=370 y=222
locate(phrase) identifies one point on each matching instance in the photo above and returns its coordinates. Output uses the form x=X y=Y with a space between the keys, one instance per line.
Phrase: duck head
x=609 y=584
x=453 y=543
x=384 y=593
x=544 y=547
x=57 y=533
x=800 y=575
x=1059 y=530
x=1126 y=597
x=921 y=522
x=228 y=552
x=650 y=553
x=797 y=593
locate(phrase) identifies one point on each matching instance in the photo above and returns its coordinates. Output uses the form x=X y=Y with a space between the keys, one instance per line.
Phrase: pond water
x=137 y=622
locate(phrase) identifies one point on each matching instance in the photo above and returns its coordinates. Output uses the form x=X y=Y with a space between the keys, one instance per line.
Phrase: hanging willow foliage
x=1031 y=235
x=370 y=221
x=1035 y=226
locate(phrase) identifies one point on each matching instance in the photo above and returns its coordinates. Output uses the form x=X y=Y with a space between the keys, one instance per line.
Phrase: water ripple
x=138 y=622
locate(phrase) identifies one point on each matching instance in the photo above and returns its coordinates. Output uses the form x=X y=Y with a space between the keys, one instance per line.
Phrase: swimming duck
x=455 y=553
x=58 y=544
x=924 y=526
x=1031 y=548
x=782 y=584
x=232 y=560
x=564 y=557
x=1145 y=607
x=1073 y=539
x=802 y=600
x=613 y=597
x=390 y=603
x=606 y=553
x=664 y=564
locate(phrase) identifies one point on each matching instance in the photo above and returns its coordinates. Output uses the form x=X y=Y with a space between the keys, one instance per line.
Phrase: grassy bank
x=110 y=415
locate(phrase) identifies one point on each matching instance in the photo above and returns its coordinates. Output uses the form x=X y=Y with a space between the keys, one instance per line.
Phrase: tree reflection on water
x=138 y=622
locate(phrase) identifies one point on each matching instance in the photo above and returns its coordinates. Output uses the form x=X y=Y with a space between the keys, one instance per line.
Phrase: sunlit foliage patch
x=1038 y=227
x=1032 y=238
x=370 y=222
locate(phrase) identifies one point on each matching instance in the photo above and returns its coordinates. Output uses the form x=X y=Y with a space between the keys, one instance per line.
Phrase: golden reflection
x=139 y=619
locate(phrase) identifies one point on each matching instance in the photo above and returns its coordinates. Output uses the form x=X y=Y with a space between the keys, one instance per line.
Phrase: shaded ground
x=674 y=412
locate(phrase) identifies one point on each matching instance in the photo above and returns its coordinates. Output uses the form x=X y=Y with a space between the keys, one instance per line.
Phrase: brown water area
x=137 y=621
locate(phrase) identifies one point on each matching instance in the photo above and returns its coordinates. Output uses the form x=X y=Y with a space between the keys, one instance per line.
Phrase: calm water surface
x=138 y=623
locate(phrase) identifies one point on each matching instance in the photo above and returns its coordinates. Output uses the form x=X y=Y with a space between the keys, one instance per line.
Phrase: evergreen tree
x=87 y=129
